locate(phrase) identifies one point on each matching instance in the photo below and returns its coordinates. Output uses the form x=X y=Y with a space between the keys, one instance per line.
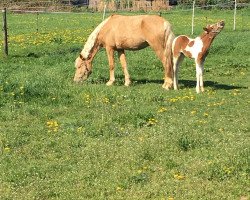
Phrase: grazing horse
x=194 y=48
x=120 y=33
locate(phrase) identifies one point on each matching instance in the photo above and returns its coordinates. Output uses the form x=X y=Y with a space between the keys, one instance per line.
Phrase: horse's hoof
x=109 y=83
x=127 y=83
x=166 y=87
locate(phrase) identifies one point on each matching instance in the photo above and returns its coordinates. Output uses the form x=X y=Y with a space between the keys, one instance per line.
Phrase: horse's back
x=131 y=32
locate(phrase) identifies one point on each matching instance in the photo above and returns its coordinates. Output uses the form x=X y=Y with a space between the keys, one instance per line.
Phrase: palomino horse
x=194 y=48
x=120 y=33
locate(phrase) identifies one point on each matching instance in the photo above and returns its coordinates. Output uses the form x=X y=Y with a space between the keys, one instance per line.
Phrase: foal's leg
x=110 y=53
x=199 y=78
x=122 y=57
x=177 y=60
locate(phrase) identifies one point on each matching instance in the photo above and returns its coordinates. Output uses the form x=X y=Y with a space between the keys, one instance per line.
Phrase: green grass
x=60 y=140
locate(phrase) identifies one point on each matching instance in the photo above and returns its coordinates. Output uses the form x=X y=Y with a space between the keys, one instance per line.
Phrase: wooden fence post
x=193 y=18
x=5 y=32
x=235 y=9
x=104 y=12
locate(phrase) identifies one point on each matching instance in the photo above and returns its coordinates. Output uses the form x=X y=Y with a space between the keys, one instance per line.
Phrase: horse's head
x=83 y=69
x=214 y=29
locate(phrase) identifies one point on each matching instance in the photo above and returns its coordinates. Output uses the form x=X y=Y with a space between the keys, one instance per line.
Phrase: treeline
x=204 y=2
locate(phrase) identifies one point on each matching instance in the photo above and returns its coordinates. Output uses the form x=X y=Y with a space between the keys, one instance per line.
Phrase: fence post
x=5 y=33
x=235 y=8
x=37 y=22
x=104 y=12
x=193 y=19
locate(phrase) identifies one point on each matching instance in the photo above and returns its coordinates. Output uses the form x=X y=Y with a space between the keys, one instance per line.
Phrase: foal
x=194 y=48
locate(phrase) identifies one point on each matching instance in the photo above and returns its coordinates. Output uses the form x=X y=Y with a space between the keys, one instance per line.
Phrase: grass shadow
x=212 y=84
x=192 y=84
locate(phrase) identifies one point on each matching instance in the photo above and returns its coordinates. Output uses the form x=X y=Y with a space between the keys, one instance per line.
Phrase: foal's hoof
x=198 y=90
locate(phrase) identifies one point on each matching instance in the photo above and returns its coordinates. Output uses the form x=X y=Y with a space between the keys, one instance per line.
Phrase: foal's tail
x=169 y=37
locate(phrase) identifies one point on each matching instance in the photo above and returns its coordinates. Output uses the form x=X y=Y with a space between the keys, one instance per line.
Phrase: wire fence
x=117 y=5
x=42 y=22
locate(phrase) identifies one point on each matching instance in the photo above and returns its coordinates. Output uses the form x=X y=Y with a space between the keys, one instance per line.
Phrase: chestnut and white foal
x=194 y=48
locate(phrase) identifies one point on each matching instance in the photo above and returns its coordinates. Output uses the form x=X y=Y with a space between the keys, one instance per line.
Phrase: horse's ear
x=81 y=56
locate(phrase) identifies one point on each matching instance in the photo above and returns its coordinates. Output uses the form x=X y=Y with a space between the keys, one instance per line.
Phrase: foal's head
x=83 y=69
x=214 y=29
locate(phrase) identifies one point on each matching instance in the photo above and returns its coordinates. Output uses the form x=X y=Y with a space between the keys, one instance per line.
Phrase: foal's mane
x=91 y=39
x=203 y=34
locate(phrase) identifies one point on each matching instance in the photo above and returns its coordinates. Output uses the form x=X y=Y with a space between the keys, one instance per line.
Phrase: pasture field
x=61 y=140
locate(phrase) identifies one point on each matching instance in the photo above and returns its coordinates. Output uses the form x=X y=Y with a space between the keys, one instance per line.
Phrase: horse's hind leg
x=167 y=65
x=110 y=53
x=122 y=57
x=168 y=70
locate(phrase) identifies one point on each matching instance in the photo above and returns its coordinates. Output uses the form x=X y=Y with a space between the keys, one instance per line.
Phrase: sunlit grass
x=60 y=140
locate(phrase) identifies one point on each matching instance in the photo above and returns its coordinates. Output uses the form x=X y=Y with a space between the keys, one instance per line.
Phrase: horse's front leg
x=122 y=58
x=110 y=54
x=199 y=77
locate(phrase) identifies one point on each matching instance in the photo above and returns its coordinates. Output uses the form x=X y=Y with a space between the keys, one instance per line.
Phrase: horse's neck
x=92 y=52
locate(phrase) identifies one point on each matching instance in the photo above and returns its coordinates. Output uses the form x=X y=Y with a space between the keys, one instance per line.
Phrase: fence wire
x=26 y=27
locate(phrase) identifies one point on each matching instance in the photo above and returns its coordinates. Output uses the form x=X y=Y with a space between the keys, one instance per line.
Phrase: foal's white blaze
x=196 y=48
x=91 y=39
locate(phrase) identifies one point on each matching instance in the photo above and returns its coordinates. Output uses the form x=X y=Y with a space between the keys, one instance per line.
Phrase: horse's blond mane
x=91 y=39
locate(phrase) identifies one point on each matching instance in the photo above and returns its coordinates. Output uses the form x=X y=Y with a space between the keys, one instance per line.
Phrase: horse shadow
x=192 y=84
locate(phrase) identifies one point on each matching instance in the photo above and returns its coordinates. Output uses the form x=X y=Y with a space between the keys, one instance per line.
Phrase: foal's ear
x=205 y=29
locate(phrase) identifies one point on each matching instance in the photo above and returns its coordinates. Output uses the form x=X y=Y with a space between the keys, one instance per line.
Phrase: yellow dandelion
x=173 y=100
x=162 y=109
x=179 y=177
x=205 y=114
x=7 y=149
x=193 y=112
x=80 y=129
x=106 y=100
x=221 y=129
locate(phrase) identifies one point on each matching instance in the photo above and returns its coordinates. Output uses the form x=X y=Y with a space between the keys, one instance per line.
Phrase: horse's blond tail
x=169 y=37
